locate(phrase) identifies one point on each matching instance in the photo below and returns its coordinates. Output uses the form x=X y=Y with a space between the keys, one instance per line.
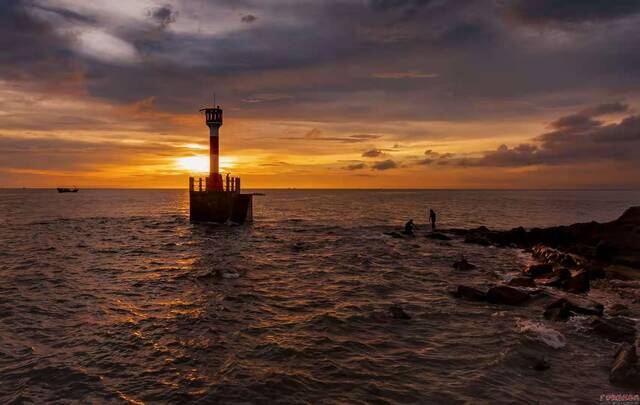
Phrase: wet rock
x=625 y=273
x=463 y=264
x=522 y=282
x=503 y=294
x=612 y=243
x=595 y=272
x=624 y=370
x=562 y=273
x=437 y=236
x=540 y=269
x=562 y=309
x=557 y=313
x=618 y=310
x=617 y=329
x=605 y=250
x=226 y=274
x=554 y=282
x=397 y=312
x=555 y=256
x=578 y=283
x=541 y=365
x=471 y=293
x=298 y=247
x=477 y=239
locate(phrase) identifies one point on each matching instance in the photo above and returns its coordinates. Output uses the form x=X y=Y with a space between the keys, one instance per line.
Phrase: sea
x=113 y=296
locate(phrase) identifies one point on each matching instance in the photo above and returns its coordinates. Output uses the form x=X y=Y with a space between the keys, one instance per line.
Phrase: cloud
x=372 y=153
x=585 y=118
x=316 y=135
x=575 y=139
x=356 y=166
x=404 y=75
x=249 y=18
x=573 y=11
x=164 y=15
x=434 y=157
x=384 y=165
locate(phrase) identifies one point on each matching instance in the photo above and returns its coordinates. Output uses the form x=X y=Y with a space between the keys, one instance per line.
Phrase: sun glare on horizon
x=200 y=163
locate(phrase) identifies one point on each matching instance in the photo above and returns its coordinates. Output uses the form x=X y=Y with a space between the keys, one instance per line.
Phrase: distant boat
x=68 y=189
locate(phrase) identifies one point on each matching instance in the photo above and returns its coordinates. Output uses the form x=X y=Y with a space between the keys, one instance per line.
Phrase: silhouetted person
x=228 y=182
x=409 y=227
x=432 y=219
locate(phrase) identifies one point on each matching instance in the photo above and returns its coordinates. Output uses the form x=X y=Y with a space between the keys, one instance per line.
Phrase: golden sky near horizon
x=344 y=94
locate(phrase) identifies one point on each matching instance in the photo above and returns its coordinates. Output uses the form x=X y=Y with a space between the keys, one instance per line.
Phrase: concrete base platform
x=220 y=206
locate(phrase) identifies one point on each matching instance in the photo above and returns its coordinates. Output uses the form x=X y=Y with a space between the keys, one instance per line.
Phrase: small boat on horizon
x=68 y=189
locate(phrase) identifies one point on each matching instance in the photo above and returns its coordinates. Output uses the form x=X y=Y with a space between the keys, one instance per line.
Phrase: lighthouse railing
x=199 y=184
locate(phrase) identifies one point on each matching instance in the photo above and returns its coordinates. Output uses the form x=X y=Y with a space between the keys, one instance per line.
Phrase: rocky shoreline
x=573 y=259
x=569 y=261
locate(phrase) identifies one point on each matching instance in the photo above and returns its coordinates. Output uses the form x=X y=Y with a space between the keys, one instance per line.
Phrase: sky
x=322 y=93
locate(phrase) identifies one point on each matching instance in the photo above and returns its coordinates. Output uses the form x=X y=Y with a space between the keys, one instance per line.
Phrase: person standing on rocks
x=432 y=219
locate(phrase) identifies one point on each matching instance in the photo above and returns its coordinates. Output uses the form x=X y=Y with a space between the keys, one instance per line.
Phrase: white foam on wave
x=542 y=333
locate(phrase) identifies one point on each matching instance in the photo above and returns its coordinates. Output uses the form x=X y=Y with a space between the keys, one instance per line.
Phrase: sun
x=200 y=163
x=194 y=164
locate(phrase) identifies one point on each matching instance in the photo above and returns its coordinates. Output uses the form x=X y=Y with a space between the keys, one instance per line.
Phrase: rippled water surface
x=112 y=295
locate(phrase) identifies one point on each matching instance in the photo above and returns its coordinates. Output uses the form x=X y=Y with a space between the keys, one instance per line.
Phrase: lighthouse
x=213 y=119
x=210 y=198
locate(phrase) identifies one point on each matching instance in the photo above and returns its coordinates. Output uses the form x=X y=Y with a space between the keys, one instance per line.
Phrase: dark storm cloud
x=384 y=165
x=585 y=118
x=249 y=18
x=164 y=15
x=30 y=48
x=573 y=11
x=480 y=64
x=576 y=138
x=393 y=4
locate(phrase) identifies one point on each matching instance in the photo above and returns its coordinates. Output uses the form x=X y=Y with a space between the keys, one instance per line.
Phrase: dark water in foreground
x=110 y=295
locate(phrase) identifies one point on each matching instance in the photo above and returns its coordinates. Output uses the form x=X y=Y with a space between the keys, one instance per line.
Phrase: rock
x=470 y=293
x=619 y=272
x=541 y=365
x=478 y=240
x=605 y=250
x=554 y=282
x=463 y=264
x=578 y=283
x=522 y=282
x=536 y=270
x=624 y=370
x=612 y=243
x=568 y=260
x=398 y=313
x=437 y=236
x=562 y=273
x=562 y=309
x=595 y=272
x=229 y=274
x=617 y=329
x=503 y=294
x=557 y=313
x=618 y=310
x=552 y=256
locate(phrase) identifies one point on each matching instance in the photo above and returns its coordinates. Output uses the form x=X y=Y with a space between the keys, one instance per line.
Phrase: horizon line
x=339 y=188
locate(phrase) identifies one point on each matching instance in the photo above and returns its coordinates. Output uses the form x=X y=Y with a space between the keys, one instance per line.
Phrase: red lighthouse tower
x=213 y=119
x=211 y=199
